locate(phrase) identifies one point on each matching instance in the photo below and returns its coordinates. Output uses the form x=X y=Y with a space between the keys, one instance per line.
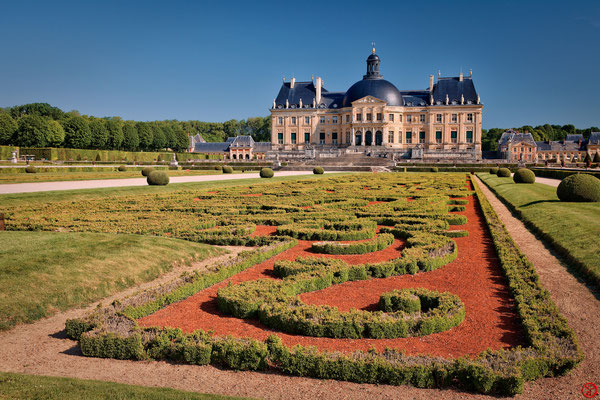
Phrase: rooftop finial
x=373 y=49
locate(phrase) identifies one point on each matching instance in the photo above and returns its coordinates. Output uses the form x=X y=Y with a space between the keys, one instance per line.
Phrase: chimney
x=292 y=83
x=460 y=77
x=431 y=83
x=318 y=89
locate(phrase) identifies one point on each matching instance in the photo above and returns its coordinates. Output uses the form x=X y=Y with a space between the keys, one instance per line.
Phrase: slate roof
x=211 y=147
x=242 y=141
x=301 y=90
x=574 y=138
x=454 y=88
x=515 y=137
x=237 y=141
x=415 y=98
x=594 y=138
x=556 y=145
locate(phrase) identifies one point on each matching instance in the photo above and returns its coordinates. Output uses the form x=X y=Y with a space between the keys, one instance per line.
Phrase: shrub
x=504 y=173
x=434 y=169
x=218 y=168
x=30 y=169
x=597 y=157
x=266 y=173
x=227 y=169
x=158 y=178
x=122 y=168
x=579 y=188
x=98 y=158
x=524 y=175
x=318 y=171
x=147 y=170
x=494 y=170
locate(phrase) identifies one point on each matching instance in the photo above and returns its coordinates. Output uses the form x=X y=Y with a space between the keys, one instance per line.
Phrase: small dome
x=373 y=57
x=378 y=88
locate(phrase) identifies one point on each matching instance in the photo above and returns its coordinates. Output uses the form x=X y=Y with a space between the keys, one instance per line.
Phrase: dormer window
x=322 y=119
x=334 y=119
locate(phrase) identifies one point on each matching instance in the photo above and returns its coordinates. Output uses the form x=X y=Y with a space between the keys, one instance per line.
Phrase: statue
x=13 y=160
x=174 y=162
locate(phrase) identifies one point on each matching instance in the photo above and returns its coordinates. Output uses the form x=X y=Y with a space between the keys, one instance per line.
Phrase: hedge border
x=382 y=241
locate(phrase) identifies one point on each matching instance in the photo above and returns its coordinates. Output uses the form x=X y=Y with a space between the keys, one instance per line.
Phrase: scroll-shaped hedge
x=381 y=242
x=276 y=303
x=356 y=229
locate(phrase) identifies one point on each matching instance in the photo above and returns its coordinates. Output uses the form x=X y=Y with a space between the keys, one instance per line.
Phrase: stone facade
x=516 y=146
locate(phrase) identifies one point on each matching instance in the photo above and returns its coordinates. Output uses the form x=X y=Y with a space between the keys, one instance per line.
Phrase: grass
x=572 y=229
x=19 y=386
x=45 y=272
x=86 y=194
x=80 y=176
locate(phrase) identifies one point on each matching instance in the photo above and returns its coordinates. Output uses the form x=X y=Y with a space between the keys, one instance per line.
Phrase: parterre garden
x=387 y=278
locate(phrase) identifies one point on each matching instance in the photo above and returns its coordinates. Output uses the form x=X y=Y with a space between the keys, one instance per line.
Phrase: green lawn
x=19 y=386
x=573 y=229
x=45 y=272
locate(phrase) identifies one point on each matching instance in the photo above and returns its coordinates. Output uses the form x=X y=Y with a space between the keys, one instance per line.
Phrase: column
x=353 y=137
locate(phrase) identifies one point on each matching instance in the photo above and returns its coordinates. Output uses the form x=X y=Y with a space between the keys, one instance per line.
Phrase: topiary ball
x=30 y=169
x=266 y=173
x=434 y=169
x=503 y=173
x=318 y=171
x=122 y=168
x=227 y=169
x=524 y=175
x=218 y=168
x=146 y=171
x=158 y=178
x=579 y=188
x=494 y=170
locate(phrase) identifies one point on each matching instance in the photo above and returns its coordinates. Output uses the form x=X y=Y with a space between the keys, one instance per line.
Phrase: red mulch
x=375 y=202
x=491 y=320
x=197 y=199
x=213 y=192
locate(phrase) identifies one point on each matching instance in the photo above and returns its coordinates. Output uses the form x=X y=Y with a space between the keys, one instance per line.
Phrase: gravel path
x=43 y=349
x=106 y=183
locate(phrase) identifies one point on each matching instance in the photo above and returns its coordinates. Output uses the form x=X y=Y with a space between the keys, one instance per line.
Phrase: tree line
x=489 y=138
x=42 y=125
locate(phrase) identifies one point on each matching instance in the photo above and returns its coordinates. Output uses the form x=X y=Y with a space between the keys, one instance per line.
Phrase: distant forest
x=42 y=125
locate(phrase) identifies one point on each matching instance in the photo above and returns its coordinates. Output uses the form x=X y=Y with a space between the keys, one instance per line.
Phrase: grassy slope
x=572 y=228
x=18 y=386
x=42 y=272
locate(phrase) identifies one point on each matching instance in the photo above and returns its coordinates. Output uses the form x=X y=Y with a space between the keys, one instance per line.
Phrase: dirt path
x=42 y=348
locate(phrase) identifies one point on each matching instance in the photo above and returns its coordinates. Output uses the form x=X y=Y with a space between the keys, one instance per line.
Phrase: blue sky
x=533 y=62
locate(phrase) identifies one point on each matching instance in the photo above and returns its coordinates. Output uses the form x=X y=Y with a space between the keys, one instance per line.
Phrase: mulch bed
x=491 y=320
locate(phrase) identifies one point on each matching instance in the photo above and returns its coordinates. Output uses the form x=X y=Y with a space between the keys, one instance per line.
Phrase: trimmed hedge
x=560 y=173
x=266 y=173
x=227 y=169
x=146 y=171
x=318 y=171
x=579 y=188
x=325 y=230
x=30 y=169
x=434 y=169
x=524 y=175
x=503 y=173
x=381 y=242
x=494 y=170
x=158 y=178
x=122 y=168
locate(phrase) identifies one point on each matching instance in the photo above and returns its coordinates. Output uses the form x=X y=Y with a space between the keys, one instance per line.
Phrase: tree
x=115 y=133
x=99 y=134
x=183 y=141
x=588 y=158
x=231 y=128
x=40 y=109
x=159 y=139
x=170 y=138
x=56 y=134
x=8 y=127
x=131 y=140
x=145 y=134
x=77 y=133
x=597 y=157
x=32 y=131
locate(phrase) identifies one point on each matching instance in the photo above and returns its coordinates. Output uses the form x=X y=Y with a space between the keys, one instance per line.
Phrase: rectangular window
x=454 y=136
x=421 y=137
x=347 y=117
x=334 y=119
x=391 y=137
x=334 y=137
x=307 y=120
x=422 y=118
x=438 y=118
x=293 y=137
x=322 y=119
x=369 y=117
x=400 y=137
x=306 y=137
x=400 y=118
x=454 y=117
x=409 y=118
x=280 y=138
x=293 y=120
x=438 y=136
x=470 y=137
x=469 y=117
x=280 y=121
x=379 y=116
x=322 y=137
x=359 y=117
x=408 y=137
x=392 y=117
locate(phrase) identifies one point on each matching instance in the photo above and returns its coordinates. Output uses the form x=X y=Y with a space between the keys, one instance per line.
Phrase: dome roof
x=379 y=88
x=373 y=56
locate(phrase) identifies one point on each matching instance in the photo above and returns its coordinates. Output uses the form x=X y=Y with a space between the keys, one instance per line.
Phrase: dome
x=379 y=88
x=373 y=57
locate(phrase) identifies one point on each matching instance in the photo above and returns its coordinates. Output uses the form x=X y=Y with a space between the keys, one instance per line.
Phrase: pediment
x=369 y=100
